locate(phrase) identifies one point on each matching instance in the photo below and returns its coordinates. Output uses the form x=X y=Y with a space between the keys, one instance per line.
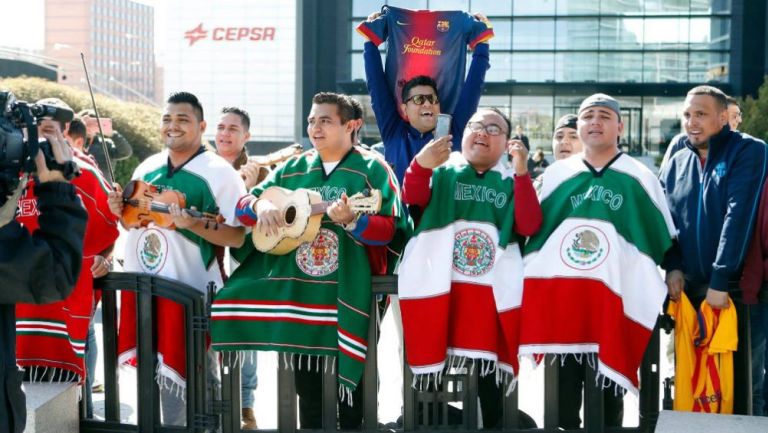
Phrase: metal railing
x=421 y=409
x=200 y=411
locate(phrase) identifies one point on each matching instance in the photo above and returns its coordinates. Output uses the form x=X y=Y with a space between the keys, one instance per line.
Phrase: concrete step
x=52 y=407
x=684 y=422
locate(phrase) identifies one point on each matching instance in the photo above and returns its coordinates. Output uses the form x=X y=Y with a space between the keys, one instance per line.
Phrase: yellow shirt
x=704 y=346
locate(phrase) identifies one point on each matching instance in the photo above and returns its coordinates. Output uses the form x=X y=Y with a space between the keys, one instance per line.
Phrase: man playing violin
x=313 y=303
x=187 y=253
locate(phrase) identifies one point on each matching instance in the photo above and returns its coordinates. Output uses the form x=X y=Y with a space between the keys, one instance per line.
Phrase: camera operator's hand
x=61 y=152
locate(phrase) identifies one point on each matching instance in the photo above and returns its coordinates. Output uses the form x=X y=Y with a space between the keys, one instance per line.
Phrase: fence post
x=551 y=392
x=286 y=399
x=230 y=388
x=594 y=401
x=649 y=381
x=111 y=376
x=511 y=416
x=147 y=403
x=409 y=399
x=742 y=363
x=470 y=411
x=370 y=375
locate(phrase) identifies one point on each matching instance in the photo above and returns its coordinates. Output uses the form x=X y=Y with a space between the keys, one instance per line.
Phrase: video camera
x=17 y=156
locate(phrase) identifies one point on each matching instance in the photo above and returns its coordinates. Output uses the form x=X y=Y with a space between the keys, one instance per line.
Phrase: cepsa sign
x=230 y=34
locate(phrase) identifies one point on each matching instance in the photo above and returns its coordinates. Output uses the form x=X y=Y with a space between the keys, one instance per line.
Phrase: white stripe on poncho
x=591 y=278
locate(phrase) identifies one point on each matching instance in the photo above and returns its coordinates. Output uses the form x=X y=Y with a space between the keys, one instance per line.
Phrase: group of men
x=496 y=267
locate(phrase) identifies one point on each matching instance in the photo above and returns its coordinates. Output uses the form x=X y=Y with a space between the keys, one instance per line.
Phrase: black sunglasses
x=420 y=99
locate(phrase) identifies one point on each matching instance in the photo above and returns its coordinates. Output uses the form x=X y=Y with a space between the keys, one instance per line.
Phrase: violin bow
x=98 y=121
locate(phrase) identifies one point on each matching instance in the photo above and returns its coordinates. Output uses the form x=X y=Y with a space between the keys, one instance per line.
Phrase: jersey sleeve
x=376 y=30
x=477 y=31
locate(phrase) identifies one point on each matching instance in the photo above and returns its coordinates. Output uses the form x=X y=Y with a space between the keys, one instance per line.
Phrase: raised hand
x=519 y=153
x=435 y=153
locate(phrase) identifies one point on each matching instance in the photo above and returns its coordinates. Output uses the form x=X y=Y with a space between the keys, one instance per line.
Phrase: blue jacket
x=714 y=206
x=402 y=141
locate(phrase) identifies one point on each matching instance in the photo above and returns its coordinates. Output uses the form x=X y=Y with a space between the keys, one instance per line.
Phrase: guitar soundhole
x=290 y=215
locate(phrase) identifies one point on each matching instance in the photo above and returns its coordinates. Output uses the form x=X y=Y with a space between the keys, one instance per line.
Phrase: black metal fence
x=201 y=414
x=219 y=410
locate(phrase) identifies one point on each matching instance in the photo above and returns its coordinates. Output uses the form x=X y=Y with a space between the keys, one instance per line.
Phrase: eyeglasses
x=492 y=129
x=420 y=99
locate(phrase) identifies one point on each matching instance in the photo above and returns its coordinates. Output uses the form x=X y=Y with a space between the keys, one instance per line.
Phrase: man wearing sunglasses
x=407 y=128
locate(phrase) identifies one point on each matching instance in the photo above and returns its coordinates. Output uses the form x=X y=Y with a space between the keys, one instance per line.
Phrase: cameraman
x=37 y=268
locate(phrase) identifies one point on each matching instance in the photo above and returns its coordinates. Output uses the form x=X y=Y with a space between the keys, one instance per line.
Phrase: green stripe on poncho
x=316 y=300
x=469 y=198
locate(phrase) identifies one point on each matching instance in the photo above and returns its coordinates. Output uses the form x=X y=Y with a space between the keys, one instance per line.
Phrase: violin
x=266 y=161
x=146 y=203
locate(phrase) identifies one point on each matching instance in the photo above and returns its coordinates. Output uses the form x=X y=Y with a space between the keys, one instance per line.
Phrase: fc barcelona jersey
x=432 y=43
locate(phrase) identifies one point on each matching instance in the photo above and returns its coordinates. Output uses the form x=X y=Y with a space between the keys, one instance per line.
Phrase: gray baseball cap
x=601 y=100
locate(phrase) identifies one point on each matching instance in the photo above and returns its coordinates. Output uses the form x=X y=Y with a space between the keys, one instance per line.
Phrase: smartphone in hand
x=93 y=126
x=443 y=127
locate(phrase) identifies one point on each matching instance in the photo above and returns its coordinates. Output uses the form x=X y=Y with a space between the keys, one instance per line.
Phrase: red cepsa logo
x=230 y=34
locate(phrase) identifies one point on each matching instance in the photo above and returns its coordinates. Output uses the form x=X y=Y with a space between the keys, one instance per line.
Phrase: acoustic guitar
x=302 y=211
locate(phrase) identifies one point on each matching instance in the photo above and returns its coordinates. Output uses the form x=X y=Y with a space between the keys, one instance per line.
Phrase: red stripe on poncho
x=35 y=346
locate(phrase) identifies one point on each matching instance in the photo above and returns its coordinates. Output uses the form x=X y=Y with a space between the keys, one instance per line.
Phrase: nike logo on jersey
x=400 y=23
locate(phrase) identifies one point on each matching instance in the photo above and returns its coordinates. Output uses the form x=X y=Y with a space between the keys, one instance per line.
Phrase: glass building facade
x=547 y=55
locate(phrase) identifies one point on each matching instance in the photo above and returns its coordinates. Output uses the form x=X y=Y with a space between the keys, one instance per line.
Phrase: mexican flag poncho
x=54 y=335
x=211 y=185
x=591 y=278
x=461 y=275
x=315 y=300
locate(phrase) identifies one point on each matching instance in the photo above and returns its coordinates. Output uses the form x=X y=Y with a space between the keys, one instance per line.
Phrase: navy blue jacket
x=38 y=268
x=401 y=140
x=714 y=206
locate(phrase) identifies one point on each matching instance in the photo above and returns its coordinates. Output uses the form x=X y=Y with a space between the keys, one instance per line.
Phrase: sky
x=24 y=25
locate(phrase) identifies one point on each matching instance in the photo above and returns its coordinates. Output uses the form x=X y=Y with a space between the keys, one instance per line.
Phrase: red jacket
x=756 y=262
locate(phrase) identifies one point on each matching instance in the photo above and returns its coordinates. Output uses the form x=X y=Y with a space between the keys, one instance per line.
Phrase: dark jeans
x=571 y=383
x=309 y=387
x=491 y=400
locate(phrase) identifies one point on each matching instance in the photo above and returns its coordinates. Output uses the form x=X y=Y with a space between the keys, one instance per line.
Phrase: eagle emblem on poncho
x=473 y=252
x=153 y=250
x=584 y=247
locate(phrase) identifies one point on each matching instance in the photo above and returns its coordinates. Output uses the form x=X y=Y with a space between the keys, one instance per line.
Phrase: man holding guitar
x=312 y=303
x=187 y=253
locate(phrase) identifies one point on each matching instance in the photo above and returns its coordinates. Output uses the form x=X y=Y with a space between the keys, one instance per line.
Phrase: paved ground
x=531 y=385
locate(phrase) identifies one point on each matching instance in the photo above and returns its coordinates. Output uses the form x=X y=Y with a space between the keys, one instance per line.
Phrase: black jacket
x=39 y=268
